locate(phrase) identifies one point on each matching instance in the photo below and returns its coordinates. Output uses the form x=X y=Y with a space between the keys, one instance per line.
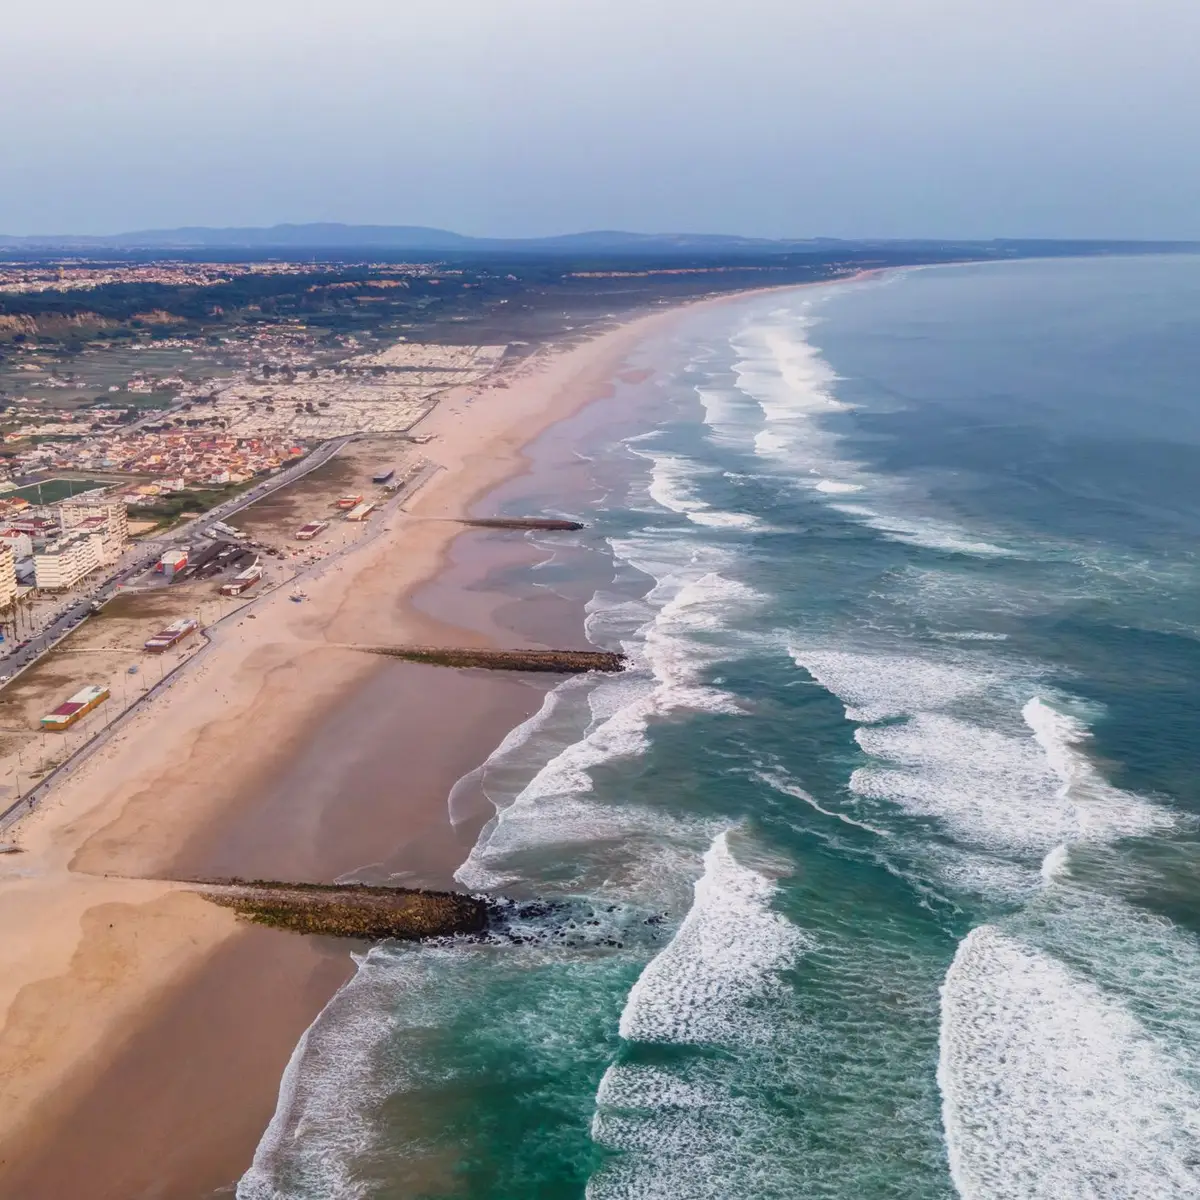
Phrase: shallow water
x=879 y=863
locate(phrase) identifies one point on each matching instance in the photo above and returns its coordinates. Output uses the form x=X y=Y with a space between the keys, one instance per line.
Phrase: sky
x=774 y=118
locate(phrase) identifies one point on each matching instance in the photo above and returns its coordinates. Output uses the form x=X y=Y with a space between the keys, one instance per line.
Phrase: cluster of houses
x=181 y=459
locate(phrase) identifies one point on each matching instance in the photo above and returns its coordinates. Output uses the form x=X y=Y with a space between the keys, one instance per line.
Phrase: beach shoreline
x=247 y=766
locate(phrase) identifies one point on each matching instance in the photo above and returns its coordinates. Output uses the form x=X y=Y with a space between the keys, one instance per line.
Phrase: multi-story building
x=18 y=541
x=63 y=563
x=108 y=523
x=39 y=530
x=8 y=577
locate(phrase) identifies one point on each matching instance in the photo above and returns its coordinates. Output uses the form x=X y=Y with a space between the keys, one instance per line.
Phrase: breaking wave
x=1052 y=1089
x=961 y=741
x=722 y=961
x=694 y=1127
x=668 y=663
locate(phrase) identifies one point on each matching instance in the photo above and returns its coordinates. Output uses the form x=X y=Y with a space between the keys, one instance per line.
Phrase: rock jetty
x=352 y=910
x=562 y=662
x=520 y=523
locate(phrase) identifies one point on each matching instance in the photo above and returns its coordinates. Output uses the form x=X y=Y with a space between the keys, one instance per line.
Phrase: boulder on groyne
x=353 y=910
x=563 y=662
x=519 y=523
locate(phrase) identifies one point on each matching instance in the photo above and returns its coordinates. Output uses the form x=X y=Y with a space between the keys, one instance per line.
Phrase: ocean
x=875 y=875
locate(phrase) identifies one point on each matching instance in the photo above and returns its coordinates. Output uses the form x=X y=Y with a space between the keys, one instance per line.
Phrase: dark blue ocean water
x=879 y=866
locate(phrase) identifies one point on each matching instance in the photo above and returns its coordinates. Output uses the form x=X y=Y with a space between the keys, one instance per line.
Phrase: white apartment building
x=109 y=523
x=62 y=564
x=18 y=541
x=8 y=577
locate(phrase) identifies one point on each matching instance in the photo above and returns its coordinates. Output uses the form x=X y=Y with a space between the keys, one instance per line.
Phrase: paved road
x=211 y=635
x=70 y=614
x=74 y=611
x=319 y=457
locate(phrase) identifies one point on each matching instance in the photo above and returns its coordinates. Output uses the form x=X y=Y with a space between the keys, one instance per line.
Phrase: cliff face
x=51 y=324
x=14 y=326
x=159 y=316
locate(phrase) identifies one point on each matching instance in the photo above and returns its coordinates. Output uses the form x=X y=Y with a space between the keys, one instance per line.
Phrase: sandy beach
x=143 y=1031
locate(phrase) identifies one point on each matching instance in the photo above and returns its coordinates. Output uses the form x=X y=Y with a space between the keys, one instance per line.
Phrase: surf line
x=799 y=793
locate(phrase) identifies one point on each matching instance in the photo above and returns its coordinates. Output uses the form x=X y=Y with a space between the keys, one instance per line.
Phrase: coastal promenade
x=26 y=803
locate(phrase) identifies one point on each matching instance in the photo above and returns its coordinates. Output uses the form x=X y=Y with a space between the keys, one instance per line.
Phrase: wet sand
x=281 y=754
x=177 y=1105
x=362 y=796
x=144 y=1031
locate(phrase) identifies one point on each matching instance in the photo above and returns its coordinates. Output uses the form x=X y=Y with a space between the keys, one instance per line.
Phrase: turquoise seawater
x=878 y=870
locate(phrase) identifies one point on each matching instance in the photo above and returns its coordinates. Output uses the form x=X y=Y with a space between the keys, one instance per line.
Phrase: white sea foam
x=973 y=635
x=1144 y=958
x=724 y=959
x=724 y=520
x=980 y=873
x=672 y=486
x=671 y=480
x=667 y=664
x=321 y=1121
x=785 y=373
x=780 y=783
x=794 y=387
x=514 y=742
x=1101 y=810
x=927 y=532
x=1052 y=1090
x=950 y=749
x=874 y=687
x=728 y=414
x=1056 y=865
x=992 y=789
x=834 y=487
x=685 y=1139
x=768 y=443
x=790 y=384
x=694 y=1129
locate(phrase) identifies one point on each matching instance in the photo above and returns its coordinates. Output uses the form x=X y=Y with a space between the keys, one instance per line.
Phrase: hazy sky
x=891 y=118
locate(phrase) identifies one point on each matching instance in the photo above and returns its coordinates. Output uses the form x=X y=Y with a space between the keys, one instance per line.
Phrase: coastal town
x=152 y=521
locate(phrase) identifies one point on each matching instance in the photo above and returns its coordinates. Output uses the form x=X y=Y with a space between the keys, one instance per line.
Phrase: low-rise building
x=40 y=530
x=243 y=580
x=172 y=561
x=75 y=709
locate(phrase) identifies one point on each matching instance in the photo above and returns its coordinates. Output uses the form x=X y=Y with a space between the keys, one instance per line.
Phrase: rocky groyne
x=351 y=910
x=373 y=913
x=520 y=523
x=562 y=662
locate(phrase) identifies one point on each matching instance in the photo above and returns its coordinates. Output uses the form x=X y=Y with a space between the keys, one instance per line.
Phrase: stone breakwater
x=520 y=523
x=352 y=910
x=373 y=913
x=562 y=662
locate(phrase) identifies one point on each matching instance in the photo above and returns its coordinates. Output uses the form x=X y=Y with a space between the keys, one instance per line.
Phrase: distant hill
x=419 y=239
x=329 y=235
